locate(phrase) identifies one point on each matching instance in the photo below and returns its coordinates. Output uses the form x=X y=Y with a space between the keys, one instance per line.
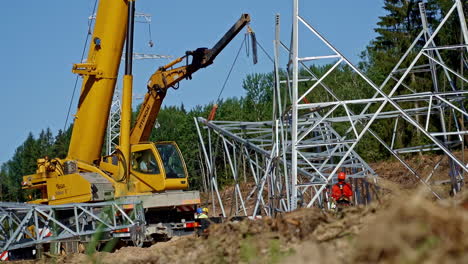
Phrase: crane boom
x=166 y=77
x=99 y=79
x=153 y=173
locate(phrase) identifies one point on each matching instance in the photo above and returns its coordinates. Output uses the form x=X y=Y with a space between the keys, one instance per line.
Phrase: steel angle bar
x=392 y=144
x=294 y=96
x=413 y=150
x=396 y=67
x=122 y=212
x=417 y=67
x=244 y=142
x=457 y=133
x=215 y=186
x=263 y=181
x=94 y=216
x=350 y=120
x=446 y=47
x=433 y=170
x=51 y=218
x=334 y=56
x=308 y=130
x=462 y=20
x=445 y=66
x=422 y=96
x=338 y=142
x=428 y=116
x=320 y=80
x=251 y=163
x=207 y=160
x=234 y=174
x=336 y=148
x=457 y=125
x=211 y=171
x=452 y=105
x=311 y=165
x=383 y=115
x=17 y=231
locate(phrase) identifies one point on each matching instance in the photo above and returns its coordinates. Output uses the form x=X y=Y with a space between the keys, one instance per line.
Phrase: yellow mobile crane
x=154 y=173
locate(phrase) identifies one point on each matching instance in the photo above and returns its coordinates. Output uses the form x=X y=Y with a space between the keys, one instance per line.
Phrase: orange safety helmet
x=341 y=176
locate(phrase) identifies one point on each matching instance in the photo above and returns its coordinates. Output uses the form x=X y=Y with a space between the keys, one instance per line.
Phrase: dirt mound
x=396 y=172
x=267 y=240
x=416 y=231
x=154 y=254
x=408 y=228
x=260 y=241
x=295 y=225
x=403 y=226
x=431 y=167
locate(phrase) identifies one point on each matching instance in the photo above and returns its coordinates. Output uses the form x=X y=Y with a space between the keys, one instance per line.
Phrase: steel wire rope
x=264 y=51
x=90 y=23
x=230 y=70
x=150 y=42
x=235 y=60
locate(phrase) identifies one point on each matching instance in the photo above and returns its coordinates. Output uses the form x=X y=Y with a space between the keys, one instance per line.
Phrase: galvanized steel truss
x=24 y=225
x=390 y=99
x=258 y=163
x=300 y=152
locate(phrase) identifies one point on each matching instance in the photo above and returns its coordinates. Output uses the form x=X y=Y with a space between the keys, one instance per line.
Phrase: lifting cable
x=90 y=22
x=212 y=114
x=230 y=70
x=150 y=42
x=264 y=51
x=215 y=106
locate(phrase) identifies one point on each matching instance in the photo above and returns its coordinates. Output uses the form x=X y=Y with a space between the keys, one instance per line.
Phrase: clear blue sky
x=42 y=39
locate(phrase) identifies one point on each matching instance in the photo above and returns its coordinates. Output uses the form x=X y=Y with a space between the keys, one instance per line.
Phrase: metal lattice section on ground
x=24 y=225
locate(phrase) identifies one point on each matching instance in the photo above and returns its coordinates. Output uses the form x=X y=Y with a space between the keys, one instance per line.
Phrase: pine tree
x=451 y=33
x=3 y=182
x=395 y=33
x=61 y=142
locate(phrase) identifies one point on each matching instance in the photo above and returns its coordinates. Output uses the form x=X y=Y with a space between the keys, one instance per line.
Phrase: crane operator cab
x=157 y=167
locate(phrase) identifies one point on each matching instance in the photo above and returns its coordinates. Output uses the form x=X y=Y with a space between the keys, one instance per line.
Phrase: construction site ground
x=405 y=225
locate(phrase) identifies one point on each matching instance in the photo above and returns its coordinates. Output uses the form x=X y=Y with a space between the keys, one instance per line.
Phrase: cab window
x=144 y=162
x=172 y=162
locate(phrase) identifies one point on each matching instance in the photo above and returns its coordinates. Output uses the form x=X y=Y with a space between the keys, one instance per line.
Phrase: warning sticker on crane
x=4 y=256
x=186 y=208
x=191 y=201
x=45 y=232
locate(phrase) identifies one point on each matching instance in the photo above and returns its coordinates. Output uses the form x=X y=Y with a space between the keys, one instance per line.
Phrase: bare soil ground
x=407 y=225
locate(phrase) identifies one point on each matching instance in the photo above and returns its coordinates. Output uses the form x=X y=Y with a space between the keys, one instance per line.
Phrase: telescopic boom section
x=99 y=79
x=166 y=77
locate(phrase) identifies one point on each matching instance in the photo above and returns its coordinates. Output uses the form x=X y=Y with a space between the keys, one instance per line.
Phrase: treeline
x=24 y=163
x=174 y=123
x=395 y=32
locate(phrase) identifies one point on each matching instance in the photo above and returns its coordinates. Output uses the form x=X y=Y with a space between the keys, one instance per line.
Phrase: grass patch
x=253 y=250
x=248 y=250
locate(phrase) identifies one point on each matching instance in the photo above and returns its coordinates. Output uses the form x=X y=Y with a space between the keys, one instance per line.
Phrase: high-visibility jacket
x=200 y=216
x=342 y=190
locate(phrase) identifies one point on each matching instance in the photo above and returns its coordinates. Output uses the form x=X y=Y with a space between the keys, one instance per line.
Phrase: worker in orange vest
x=342 y=191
